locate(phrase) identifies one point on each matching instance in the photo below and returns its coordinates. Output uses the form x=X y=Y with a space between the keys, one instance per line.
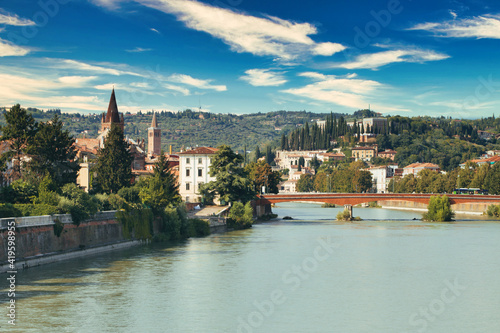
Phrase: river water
x=388 y=273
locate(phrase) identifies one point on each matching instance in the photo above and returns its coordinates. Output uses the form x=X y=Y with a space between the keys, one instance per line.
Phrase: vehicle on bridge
x=470 y=191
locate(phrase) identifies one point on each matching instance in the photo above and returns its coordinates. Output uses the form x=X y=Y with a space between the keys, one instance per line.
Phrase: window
x=187 y=186
x=188 y=172
x=188 y=160
x=200 y=172
x=200 y=161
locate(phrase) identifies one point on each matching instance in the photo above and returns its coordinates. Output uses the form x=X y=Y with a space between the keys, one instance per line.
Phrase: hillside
x=189 y=128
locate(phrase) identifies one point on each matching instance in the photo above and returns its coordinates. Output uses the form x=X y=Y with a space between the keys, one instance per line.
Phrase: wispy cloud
x=484 y=26
x=76 y=80
x=263 y=78
x=12 y=19
x=198 y=83
x=109 y=4
x=379 y=59
x=154 y=30
x=9 y=49
x=86 y=67
x=348 y=91
x=138 y=50
x=262 y=36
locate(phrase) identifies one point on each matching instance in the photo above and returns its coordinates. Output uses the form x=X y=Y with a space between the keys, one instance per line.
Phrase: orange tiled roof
x=200 y=151
x=422 y=165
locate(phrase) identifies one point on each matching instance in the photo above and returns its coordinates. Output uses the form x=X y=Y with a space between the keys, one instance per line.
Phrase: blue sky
x=404 y=57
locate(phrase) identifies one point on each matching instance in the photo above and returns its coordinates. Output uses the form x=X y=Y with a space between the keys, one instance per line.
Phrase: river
x=385 y=274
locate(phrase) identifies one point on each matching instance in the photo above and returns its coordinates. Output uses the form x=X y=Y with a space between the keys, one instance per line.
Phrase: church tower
x=112 y=116
x=154 y=138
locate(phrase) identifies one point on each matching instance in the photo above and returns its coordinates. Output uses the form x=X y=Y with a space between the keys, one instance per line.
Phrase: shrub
x=240 y=216
x=200 y=228
x=117 y=202
x=439 y=209
x=136 y=222
x=78 y=203
x=58 y=227
x=9 y=210
x=344 y=215
x=493 y=211
x=36 y=210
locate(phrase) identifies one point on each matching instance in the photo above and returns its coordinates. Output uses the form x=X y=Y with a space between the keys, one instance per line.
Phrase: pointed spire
x=154 y=122
x=112 y=115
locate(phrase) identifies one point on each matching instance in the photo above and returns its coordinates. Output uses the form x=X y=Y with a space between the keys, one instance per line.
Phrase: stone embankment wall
x=475 y=208
x=35 y=235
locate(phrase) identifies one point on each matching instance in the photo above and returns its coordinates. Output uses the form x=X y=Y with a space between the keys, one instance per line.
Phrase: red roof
x=200 y=151
x=493 y=159
x=422 y=165
x=388 y=151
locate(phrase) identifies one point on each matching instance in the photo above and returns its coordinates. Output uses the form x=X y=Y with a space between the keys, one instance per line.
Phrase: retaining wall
x=35 y=234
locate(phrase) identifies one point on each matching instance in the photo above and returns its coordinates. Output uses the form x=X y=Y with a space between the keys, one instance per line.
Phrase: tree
x=492 y=181
x=18 y=131
x=305 y=183
x=241 y=216
x=362 y=181
x=439 y=209
x=262 y=174
x=52 y=150
x=231 y=183
x=113 y=166
x=162 y=189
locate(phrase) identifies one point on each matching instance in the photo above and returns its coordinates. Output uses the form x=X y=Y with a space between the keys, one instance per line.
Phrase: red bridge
x=357 y=198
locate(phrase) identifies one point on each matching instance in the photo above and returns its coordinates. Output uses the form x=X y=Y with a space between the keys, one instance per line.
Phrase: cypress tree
x=114 y=162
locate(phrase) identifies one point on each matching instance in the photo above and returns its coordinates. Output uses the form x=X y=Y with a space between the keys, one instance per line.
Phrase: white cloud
x=11 y=19
x=485 y=26
x=191 y=81
x=76 y=80
x=263 y=78
x=84 y=67
x=343 y=91
x=263 y=36
x=173 y=87
x=9 y=49
x=109 y=4
x=154 y=30
x=379 y=59
x=347 y=91
x=138 y=50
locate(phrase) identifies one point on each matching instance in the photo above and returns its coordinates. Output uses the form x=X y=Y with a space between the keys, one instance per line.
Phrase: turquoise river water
x=387 y=274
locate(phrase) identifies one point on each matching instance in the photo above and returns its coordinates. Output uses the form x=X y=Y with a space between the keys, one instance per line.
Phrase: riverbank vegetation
x=493 y=211
x=439 y=209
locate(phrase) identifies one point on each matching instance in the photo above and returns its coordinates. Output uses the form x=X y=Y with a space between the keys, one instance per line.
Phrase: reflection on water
x=307 y=275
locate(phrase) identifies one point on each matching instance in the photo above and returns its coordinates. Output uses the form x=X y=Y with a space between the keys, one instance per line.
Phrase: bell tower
x=154 y=138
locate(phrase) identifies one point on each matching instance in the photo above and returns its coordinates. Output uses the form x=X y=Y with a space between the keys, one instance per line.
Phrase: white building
x=194 y=167
x=381 y=177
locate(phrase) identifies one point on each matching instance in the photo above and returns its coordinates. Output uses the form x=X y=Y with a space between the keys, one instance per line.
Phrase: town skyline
x=236 y=56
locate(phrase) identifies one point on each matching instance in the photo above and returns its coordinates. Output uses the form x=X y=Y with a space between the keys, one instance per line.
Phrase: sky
x=437 y=58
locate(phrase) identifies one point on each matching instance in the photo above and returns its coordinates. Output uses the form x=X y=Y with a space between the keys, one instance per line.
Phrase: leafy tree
x=18 y=131
x=439 y=209
x=492 y=180
x=305 y=183
x=231 y=183
x=52 y=150
x=78 y=203
x=241 y=216
x=262 y=174
x=362 y=181
x=113 y=166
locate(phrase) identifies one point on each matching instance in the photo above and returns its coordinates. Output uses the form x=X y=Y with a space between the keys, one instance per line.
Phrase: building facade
x=194 y=167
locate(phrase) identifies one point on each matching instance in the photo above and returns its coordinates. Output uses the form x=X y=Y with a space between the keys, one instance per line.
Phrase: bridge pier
x=348 y=208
